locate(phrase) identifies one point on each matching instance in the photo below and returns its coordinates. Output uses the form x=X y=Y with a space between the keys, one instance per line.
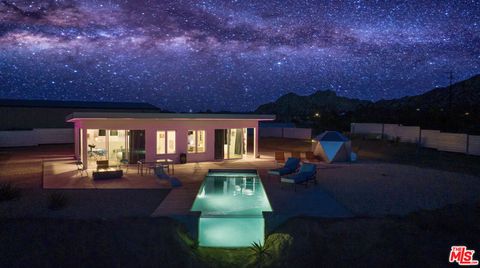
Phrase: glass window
x=161 y=142
x=196 y=141
x=97 y=144
x=191 y=139
x=116 y=146
x=166 y=142
x=171 y=142
x=200 y=141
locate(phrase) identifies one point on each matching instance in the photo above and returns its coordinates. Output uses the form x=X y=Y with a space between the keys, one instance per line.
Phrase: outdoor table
x=151 y=165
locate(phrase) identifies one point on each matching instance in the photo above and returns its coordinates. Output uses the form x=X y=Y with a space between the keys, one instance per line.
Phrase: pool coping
x=253 y=171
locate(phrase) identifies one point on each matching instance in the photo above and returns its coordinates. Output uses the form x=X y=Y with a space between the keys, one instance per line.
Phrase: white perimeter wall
x=449 y=142
x=36 y=136
x=430 y=138
x=291 y=133
x=474 y=145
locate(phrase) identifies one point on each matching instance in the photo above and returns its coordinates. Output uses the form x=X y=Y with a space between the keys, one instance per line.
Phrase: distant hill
x=291 y=106
x=463 y=94
x=457 y=109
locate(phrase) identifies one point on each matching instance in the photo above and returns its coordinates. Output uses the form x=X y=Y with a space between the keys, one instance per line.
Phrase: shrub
x=259 y=253
x=57 y=201
x=9 y=192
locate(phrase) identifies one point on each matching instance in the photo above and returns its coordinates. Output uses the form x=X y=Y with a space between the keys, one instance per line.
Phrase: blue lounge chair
x=307 y=173
x=160 y=173
x=290 y=167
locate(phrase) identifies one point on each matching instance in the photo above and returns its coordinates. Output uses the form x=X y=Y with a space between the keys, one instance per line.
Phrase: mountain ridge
x=440 y=108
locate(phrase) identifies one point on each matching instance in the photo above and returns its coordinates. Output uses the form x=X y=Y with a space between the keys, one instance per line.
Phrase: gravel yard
x=86 y=203
x=369 y=188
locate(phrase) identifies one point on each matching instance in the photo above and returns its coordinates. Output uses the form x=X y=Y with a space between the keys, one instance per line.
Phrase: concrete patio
x=64 y=175
x=365 y=188
x=285 y=202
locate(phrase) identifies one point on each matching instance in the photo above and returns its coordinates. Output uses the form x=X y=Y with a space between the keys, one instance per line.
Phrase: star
x=232 y=55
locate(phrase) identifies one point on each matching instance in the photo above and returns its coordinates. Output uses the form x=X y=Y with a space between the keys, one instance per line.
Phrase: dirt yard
x=409 y=208
x=421 y=239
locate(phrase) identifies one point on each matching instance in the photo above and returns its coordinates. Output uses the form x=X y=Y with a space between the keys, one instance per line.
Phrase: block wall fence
x=435 y=139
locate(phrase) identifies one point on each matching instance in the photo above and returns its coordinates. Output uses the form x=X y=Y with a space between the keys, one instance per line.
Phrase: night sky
x=232 y=55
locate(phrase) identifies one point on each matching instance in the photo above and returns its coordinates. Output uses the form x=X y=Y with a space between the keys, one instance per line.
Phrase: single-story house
x=151 y=136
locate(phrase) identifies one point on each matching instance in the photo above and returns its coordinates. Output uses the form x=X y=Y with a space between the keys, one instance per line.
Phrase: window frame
x=195 y=133
x=165 y=143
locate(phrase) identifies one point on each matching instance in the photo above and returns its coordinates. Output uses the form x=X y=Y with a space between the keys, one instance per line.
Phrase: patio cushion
x=308 y=168
x=307 y=171
x=290 y=167
x=175 y=182
x=280 y=171
x=292 y=163
x=295 y=178
x=160 y=173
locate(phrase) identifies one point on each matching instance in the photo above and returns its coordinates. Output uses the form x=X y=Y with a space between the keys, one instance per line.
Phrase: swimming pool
x=231 y=203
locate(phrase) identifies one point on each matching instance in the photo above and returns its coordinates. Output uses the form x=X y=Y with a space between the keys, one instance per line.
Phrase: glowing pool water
x=231 y=203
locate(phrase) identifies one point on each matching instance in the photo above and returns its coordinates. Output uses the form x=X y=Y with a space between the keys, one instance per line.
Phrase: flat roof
x=200 y=116
x=77 y=104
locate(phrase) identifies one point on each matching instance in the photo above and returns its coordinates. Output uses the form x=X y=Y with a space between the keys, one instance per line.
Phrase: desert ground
x=396 y=204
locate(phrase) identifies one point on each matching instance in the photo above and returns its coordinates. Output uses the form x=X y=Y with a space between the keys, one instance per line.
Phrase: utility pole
x=450 y=93
x=450 y=100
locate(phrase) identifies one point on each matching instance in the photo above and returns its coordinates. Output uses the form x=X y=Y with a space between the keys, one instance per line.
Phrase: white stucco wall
x=181 y=127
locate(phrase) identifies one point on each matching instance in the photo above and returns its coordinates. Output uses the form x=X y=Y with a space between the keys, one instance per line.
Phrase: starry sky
x=232 y=55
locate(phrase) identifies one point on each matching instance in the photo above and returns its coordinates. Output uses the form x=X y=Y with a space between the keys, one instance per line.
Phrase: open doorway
x=234 y=143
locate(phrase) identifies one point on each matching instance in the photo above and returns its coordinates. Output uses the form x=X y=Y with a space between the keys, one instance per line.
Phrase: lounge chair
x=279 y=158
x=307 y=173
x=124 y=163
x=160 y=173
x=290 y=167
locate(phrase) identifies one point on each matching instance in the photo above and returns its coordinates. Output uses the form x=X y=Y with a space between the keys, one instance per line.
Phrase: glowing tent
x=332 y=146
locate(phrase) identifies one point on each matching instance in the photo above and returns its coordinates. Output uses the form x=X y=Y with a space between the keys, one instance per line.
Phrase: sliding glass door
x=115 y=145
x=230 y=143
x=235 y=143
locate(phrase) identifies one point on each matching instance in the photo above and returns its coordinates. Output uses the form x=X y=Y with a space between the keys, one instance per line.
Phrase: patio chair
x=140 y=166
x=81 y=169
x=102 y=164
x=307 y=173
x=160 y=173
x=290 y=167
x=310 y=157
x=296 y=155
x=124 y=163
x=279 y=158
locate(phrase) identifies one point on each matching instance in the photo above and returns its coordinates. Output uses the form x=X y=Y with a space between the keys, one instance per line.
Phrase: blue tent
x=332 y=146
